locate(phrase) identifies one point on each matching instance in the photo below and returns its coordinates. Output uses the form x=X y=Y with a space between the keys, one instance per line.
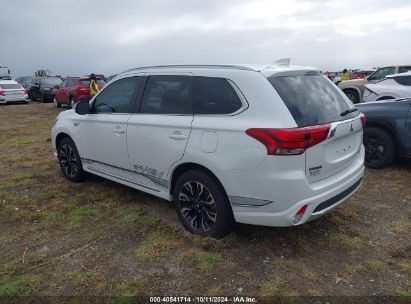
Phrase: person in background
x=345 y=75
x=94 y=89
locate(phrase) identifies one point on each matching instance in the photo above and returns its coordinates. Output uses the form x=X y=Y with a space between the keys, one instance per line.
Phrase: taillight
x=2 y=93
x=289 y=141
x=363 y=120
x=26 y=92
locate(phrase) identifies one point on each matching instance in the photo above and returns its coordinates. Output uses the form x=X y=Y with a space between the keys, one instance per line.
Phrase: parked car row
x=354 y=89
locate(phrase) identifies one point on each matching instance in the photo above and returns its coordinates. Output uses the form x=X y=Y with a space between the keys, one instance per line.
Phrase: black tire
x=69 y=160
x=380 y=148
x=352 y=95
x=56 y=103
x=196 y=208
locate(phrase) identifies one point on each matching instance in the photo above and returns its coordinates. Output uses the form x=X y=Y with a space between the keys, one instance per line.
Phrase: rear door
x=158 y=133
x=313 y=100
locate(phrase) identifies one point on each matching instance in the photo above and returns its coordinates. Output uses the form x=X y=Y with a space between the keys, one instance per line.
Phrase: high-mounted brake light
x=289 y=141
x=363 y=120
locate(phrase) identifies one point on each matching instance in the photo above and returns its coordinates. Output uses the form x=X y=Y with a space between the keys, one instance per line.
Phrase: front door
x=104 y=131
x=157 y=136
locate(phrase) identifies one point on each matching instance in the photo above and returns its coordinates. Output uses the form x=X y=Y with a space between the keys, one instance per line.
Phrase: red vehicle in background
x=74 y=89
x=361 y=74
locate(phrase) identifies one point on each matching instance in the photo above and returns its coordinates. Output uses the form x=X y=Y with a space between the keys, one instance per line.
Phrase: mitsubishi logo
x=351 y=129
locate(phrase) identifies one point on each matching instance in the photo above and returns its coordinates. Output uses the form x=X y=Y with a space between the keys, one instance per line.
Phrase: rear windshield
x=10 y=86
x=50 y=81
x=86 y=82
x=311 y=99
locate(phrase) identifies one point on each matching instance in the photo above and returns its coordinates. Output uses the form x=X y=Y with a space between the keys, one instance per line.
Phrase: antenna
x=282 y=61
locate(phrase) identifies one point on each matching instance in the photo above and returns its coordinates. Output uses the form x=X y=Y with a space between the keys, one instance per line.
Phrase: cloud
x=78 y=37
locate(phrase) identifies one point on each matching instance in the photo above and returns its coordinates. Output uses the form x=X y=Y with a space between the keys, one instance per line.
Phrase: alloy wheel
x=197 y=206
x=375 y=150
x=68 y=160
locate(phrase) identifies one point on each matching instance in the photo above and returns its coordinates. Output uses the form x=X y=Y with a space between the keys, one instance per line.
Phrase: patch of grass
x=402 y=228
x=83 y=213
x=129 y=289
x=204 y=261
x=405 y=267
x=129 y=219
x=274 y=287
x=215 y=291
x=24 y=286
x=82 y=279
x=156 y=246
x=283 y=265
x=375 y=266
x=53 y=216
x=344 y=241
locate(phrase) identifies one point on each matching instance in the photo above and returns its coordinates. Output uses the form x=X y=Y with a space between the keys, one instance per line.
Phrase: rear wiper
x=348 y=111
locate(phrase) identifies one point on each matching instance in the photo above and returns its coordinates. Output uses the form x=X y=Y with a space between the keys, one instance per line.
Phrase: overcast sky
x=78 y=37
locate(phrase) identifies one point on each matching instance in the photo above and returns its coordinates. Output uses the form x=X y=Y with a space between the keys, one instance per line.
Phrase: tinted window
x=381 y=73
x=50 y=82
x=116 y=98
x=86 y=82
x=63 y=84
x=214 y=96
x=167 y=95
x=10 y=86
x=404 y=80
x=311 y=100
x=404 y=69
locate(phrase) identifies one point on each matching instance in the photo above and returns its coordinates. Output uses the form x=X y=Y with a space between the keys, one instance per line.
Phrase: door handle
x=119 y=130
x=177 y=135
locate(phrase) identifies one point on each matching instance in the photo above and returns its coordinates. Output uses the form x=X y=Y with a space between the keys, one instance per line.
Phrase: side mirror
x=82 y=107
x=57 y=86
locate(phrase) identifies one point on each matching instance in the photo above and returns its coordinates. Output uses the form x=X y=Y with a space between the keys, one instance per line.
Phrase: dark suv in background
x=41 y=88
x=74 y=89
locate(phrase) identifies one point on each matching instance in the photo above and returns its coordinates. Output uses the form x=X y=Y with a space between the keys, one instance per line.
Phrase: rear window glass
x=311 y=99
x=87 y=82
x=215 y=96
x=10 y=86
x=50 y=82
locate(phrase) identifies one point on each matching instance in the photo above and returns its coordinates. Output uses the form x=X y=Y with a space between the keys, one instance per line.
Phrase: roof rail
x=215 y=66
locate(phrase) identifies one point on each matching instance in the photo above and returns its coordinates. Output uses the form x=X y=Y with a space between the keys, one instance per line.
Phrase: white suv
x=274 y=146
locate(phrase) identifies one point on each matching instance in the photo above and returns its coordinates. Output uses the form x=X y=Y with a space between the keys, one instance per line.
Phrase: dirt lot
x=102 y=238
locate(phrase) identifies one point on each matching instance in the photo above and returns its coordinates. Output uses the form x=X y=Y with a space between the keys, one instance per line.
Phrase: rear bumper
x=284 y=194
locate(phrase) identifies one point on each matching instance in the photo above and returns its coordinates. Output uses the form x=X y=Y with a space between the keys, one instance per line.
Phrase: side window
x=167 y=95
x=116 y=98
x=215 y=96
x=403 y=80
x=63 y=84
x=381 y=73
x=404 y=69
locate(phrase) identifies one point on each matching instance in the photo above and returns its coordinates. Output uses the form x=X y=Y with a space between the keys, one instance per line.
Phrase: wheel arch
x=184 y=167
x=60 y=137
x=352 y=88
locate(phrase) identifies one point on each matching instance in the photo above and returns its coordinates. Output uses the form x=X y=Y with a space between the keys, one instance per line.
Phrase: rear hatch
x=314 y=100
